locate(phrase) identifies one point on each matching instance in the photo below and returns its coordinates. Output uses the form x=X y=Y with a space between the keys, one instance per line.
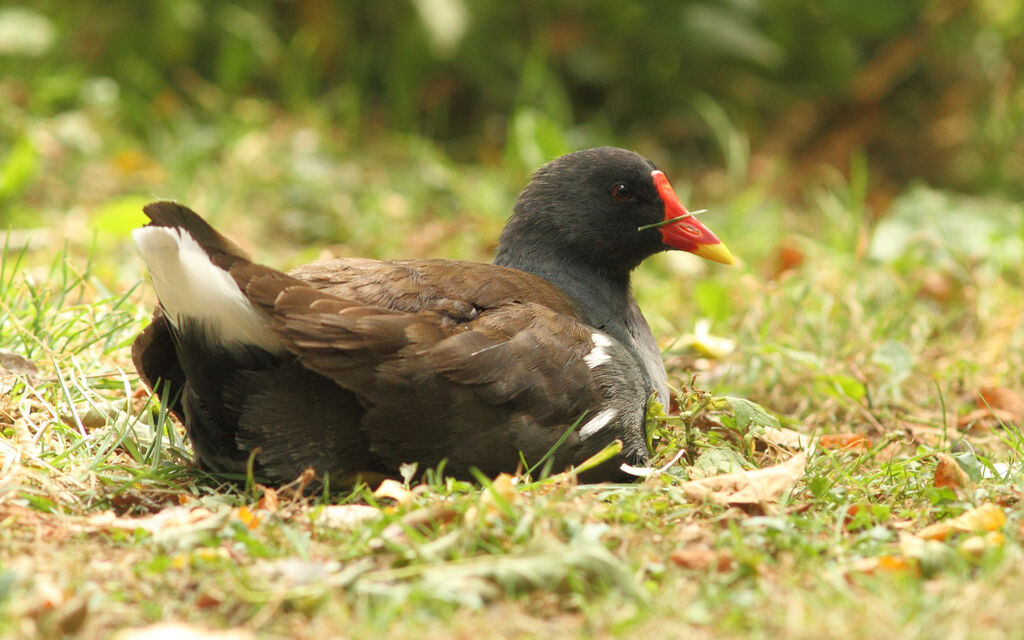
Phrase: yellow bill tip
x=716 y=252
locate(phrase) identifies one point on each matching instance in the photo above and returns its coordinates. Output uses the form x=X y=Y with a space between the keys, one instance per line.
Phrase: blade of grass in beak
x=664 y=223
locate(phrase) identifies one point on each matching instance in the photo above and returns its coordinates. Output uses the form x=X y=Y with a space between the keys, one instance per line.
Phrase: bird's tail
x=193 y=269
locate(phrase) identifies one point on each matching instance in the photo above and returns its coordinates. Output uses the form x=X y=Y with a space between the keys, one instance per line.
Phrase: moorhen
x=356 y=365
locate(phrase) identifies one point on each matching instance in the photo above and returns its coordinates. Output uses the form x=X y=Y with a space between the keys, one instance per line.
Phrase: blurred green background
x=380 y=128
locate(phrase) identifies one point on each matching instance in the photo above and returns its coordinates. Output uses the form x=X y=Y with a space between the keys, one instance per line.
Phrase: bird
x=354 y=366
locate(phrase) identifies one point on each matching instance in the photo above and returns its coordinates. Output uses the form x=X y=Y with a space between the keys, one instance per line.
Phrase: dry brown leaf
x=268 y=501
x=851 y=513
x=1003 y=399
x=987 y=517
x=170 y=518
x=503 y=488
x=940 y=286
x=179 y=631
x=763 y=486
x=996 y=405
x=949 y=474
x=782 y=437
x=788 y=256
x=177 y=527
x=394 y=490
x=208 y=601
x=13 y=367
x=981 y=420
x=701 y=557
x=845 y=441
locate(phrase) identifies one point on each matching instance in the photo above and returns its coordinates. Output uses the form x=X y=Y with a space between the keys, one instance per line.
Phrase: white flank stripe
x=598 y=422
x=599 y=354
x=190 y=286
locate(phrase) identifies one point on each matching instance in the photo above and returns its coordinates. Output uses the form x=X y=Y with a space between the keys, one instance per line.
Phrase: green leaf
x=652 y=421
x=969 y=462
x=718 y=460
x=747 y=414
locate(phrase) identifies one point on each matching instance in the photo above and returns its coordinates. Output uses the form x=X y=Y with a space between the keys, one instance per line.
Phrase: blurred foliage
x=768 y=90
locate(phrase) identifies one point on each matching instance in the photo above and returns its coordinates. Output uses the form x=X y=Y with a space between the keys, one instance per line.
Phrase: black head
x=589 y=207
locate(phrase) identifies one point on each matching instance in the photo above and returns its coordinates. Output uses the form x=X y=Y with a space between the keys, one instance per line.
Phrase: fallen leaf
x=248 y=518
x=927 y=556
x=987 y=517
x=788 y=256
x=347 y=516
x=701 y=558
x=394 y=490
x=845 y=441
x=1001 y=398
x=949 y=474
x=177 y=527
x=976 y=546
x=12 y=365
x=179 y=631
x=781 y=437
x=893 y=563
x=981 y=420
x=940 y=286
x=702 y=341
x=420 y=519
x=852 y=512
x=501 y=492
x=293 y=572
x=268 y=501
x=170 y=518
x=208 y=601
x=995 y=406
x=887 y=564
x=761 y=486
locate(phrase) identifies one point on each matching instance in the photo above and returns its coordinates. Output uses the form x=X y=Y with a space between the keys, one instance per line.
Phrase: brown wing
x=453 y=287
x=474 y=378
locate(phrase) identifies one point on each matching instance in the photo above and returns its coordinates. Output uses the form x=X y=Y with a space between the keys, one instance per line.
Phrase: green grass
x=883 y=329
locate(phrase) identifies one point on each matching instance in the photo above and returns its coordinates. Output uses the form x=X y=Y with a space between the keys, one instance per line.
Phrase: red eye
x=622 y=192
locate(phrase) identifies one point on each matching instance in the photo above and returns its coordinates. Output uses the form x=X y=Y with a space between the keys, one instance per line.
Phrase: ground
x=859 y=374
